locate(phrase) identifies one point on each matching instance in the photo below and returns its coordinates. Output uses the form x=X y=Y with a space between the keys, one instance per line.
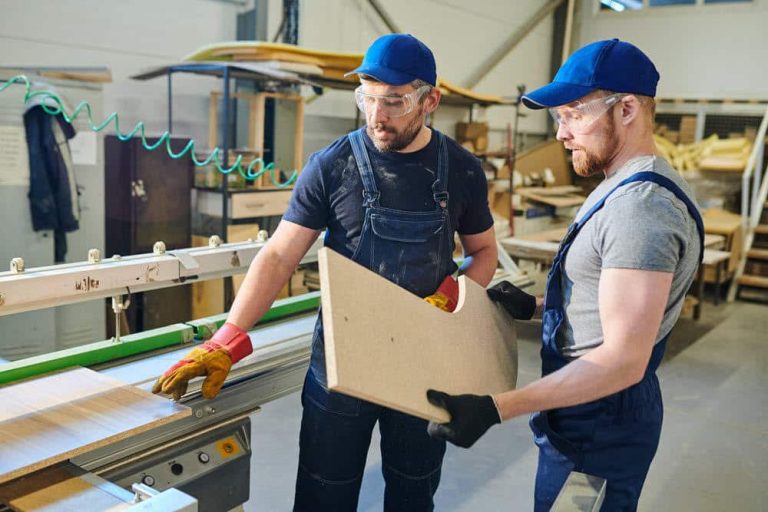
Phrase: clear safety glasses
x=580 y=118
x=390 y=105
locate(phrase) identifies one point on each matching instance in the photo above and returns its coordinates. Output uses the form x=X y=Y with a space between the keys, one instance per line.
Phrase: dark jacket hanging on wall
x=52 y=191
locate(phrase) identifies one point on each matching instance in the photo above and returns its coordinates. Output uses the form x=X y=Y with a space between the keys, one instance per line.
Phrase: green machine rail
x=139 y=343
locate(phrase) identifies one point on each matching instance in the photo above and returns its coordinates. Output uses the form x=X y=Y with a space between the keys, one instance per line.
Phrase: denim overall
x=615 y=437
x=414 y=250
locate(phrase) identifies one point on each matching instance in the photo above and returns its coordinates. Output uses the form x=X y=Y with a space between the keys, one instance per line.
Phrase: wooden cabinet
x=147 y=198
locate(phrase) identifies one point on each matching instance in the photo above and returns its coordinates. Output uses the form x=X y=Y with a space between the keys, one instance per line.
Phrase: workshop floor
x=714 y=447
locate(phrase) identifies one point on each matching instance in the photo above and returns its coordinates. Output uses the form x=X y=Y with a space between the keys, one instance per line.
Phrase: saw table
x=198 y=462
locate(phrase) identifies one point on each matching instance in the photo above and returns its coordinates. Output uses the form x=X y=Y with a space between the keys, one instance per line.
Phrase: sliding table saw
x=201 y=462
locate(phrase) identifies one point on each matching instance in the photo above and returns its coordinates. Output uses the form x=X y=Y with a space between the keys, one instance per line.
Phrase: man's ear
x=630 y=108
x=432 y=100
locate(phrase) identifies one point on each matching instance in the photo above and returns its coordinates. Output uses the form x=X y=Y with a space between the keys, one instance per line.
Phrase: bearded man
x=390 y=196
x=614 y=292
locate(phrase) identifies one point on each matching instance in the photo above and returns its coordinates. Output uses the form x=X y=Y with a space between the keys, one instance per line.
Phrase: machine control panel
x=188 y=465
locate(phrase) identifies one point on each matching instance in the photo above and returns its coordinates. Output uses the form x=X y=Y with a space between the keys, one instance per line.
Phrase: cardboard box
x=474 y=133
x=550 y=154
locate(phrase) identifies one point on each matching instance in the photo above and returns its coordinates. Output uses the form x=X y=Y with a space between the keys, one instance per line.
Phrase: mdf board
x=549 y=154
x=385 y=345
x=53 y=418
x=559 y=197
x=64 y=488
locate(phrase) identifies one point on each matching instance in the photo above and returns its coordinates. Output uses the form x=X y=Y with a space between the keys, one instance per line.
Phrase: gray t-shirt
x=641 y=226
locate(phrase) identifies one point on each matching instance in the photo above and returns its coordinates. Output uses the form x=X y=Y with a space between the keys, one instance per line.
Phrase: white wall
x=126 y=37
x=701 y=51
x=461 y=35
x=131 y=36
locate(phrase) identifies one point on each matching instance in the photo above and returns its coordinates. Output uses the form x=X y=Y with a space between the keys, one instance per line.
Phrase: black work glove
x=519 y=304
x=471 y=417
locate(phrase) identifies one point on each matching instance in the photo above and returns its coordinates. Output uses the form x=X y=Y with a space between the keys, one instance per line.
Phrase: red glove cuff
x=234 y=340
x=449 y=288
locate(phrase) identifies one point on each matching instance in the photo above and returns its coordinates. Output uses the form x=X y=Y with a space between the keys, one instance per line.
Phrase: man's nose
x=563 y=133
x=378 y=113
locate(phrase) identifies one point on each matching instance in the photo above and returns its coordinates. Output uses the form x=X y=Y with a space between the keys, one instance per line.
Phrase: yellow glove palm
x=212 y=360
x=440 y=301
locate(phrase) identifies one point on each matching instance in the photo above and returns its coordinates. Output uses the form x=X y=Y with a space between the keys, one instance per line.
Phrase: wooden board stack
x=332 y=65
x=53 y=418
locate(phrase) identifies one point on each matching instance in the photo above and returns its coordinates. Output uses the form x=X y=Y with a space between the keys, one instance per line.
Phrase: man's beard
x=596 y=162
x=402 y=139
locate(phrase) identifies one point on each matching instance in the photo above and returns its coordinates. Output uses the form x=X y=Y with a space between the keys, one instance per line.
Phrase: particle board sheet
x=559 y=197
x=64 y=488
x=332 y=64
x=53 y=418
x=385 y=345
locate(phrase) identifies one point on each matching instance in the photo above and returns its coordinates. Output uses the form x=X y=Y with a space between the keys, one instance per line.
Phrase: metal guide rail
x=23 y=289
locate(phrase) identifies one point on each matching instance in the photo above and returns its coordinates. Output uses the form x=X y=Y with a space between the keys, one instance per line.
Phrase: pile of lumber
x=308 y=61
x=710 y=154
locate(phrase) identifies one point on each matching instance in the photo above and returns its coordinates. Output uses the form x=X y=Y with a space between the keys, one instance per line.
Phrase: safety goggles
x=391 y=105
x=580 y=118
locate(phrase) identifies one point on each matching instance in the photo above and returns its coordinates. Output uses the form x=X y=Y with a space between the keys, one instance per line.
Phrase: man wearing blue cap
x=615 y=290
x=390 y=195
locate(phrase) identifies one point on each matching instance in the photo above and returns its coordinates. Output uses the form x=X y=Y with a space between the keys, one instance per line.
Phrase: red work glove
x=213 y=359
x=446 y=296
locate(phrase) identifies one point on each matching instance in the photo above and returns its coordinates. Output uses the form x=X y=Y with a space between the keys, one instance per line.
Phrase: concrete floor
x=714 y=446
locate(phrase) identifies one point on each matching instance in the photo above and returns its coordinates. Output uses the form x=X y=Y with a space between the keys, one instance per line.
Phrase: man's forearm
x=481 y=265
x=597 y=374
x=267 y=274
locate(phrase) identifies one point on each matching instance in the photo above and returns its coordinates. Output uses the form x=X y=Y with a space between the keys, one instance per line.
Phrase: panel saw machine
x=201 y=462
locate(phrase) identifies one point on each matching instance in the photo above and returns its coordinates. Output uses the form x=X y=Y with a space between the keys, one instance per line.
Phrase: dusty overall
x=414 y=250
x=614 y=437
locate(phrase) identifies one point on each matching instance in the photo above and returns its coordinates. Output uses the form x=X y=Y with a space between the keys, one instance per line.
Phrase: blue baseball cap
x=398 y=59
x=611 y=65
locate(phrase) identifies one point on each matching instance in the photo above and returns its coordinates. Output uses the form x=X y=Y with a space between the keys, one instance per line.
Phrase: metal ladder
x=754 y=194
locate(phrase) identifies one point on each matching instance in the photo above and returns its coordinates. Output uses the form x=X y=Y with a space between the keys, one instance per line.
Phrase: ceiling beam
x=502 y=51
x=388 y=21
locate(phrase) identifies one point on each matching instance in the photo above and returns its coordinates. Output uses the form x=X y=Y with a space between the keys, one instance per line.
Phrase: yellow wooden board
x=559 y=197
x=550 y=154
x=64 y=488
x=53 y=418
x=333 y=64
x=386 y=345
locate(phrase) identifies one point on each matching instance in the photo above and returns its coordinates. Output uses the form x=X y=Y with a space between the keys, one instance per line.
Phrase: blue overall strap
x=662 y=181
x=552 y=317
x=440 y=186
x=370 y=192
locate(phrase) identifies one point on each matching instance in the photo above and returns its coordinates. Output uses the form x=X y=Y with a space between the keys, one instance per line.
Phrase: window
x=620 y=5
x=659 y=3
x=633 y=5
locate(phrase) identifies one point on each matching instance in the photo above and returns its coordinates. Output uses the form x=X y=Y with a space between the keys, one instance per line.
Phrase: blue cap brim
x=388 y=76
x=555 y=94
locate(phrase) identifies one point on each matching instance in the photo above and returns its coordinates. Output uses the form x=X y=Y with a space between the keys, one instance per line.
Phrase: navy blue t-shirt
x=329 y=191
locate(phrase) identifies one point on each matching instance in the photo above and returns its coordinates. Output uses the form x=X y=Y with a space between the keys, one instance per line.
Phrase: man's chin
x=380 y=138
x=382 y=144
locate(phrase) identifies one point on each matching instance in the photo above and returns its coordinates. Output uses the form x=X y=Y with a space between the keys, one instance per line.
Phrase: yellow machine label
x=228 y=447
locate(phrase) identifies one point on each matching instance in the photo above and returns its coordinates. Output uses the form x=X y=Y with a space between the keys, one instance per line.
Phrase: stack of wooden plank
x=710 y=154
x=332 y=65
x=58 y=416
